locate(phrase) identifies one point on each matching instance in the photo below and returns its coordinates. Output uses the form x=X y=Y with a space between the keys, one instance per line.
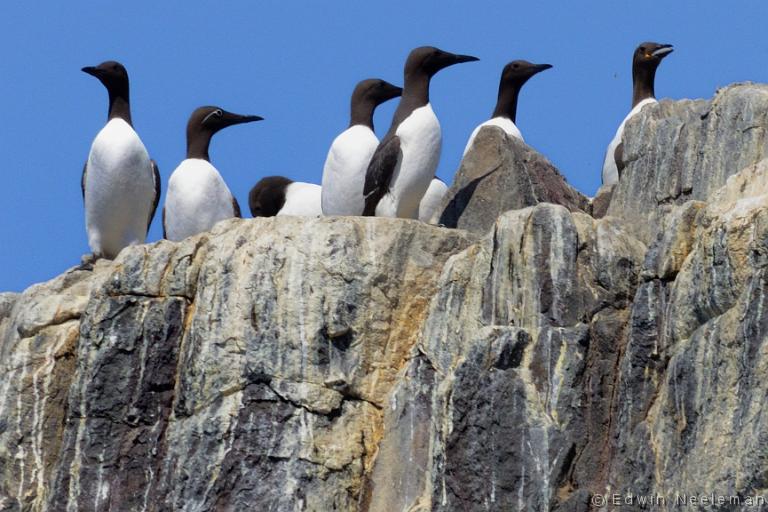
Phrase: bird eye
x=218 y=113
x=642 y=49
x=515 y=66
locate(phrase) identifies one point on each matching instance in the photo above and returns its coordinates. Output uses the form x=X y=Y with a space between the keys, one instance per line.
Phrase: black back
x=267 y=197
x=420 y=67
x=379 y=173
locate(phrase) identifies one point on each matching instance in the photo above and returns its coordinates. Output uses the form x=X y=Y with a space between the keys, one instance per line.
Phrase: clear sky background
x=295 y=64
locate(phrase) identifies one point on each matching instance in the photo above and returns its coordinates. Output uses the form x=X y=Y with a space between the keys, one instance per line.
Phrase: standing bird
x=276 y=195
x=351 y=151
x=197 y=196
x=432 y=200
x=405 y=161
x=645 y=60
x=120 y=184
x=513 y=77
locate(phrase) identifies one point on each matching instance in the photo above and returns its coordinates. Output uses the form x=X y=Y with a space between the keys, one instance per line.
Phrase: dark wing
x=379 y=173
x=236 y=207
x=82 y=179
x=165 y=230
x=156 y=174
x=618 y=157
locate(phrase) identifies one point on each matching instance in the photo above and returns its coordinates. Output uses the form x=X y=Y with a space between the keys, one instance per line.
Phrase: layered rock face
x=686 y=150
x=380 y=364
x=249 y=366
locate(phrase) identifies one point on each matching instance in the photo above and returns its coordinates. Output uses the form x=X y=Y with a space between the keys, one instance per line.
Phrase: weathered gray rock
x=502 y=367
x=7 y=300
x=249 y=365
x=678 y=151
x=502 y=173
x=384 y=365
x=695 y=363
x=602 y=200
x=542 y=394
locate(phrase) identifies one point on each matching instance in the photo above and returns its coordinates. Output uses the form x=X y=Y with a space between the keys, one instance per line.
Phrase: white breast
x=302 y=199
x=197 y=199
x=344 y=171
x=420 y=144
x=504 y=123
x=430 y=203
x=610 y=171
x=119 y=190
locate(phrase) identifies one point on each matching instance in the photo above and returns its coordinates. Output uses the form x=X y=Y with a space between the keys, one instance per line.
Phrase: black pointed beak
x=458 y=59
x=663 y=50
x=233 y=119
x=446 y=59
x=91 y=70
x=391 y=91
x=452 y=58
x=542 y=67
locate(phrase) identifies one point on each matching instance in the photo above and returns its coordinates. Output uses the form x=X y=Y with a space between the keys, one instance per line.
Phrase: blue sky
x=295 y=64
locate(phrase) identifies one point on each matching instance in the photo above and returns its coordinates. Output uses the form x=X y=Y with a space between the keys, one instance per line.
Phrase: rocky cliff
x=385 y=365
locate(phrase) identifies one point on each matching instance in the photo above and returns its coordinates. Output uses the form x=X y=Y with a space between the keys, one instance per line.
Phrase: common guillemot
x=351 y=152
x=120 y=183
x=645 y=61
x=405 y=161
x=513 y=77
x=277 y=195
x=197 y=196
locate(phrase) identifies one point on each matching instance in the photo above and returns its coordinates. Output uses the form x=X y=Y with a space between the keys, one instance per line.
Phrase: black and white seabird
x=351 y=151
x=405 y=161
x=197 y=196
x=432 y=200
x=513 y=77
x=277 y=195
x=645 y=60
x=120 y=183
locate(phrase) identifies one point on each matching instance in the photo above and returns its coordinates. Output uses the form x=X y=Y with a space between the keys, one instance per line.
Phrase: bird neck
x=415 y=95
x=416 y=87
x=643 y=78
x=198 y=143
x=506 y=105
x=362 y=113
x=119 y=106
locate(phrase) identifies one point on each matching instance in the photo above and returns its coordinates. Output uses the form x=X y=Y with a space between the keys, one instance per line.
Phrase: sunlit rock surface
x=250 y=365
x=679 y=151
x=502 y=173
x=387 y=365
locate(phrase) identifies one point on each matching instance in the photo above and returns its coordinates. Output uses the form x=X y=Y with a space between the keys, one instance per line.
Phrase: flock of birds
x=394 y=177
